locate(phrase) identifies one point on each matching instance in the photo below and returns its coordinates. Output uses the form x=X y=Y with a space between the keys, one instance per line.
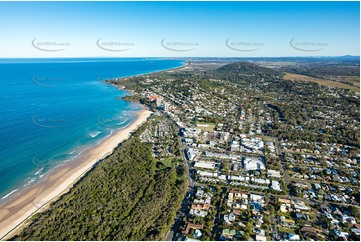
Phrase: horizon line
x=180 y=57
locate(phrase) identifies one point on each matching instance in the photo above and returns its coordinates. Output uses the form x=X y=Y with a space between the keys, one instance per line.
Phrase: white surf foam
x=94 y=134
x=9 y=193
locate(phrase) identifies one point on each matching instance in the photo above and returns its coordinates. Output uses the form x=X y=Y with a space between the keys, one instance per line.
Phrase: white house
x=253 y=163
x=205 y=165
x=276 y=186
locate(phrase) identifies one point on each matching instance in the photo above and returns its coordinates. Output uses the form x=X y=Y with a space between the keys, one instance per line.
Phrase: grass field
x=351 y=80
x=297 y=77
x=206 y=126
x=286 y=230
x=168 y=162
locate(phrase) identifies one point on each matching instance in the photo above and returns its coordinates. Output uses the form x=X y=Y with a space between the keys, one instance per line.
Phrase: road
x=217 y=219
x=178 y=219
x=283 y=166
x=191 y=185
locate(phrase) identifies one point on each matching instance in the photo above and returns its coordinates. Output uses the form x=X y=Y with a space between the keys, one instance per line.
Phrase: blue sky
x=186 y=28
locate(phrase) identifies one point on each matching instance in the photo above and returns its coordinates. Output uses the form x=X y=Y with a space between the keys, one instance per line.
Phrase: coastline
x=109 y=81
x=15 y=212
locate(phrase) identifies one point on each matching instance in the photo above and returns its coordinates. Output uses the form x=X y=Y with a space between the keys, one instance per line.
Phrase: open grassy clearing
x=324 y=82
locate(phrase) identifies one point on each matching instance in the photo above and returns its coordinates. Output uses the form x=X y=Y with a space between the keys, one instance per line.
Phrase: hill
x=245 y=69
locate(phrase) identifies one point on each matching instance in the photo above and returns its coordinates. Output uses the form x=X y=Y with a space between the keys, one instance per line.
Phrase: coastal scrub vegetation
x=127 y=196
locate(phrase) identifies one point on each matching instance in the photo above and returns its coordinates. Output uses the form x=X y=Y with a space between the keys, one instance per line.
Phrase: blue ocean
x=51 y=109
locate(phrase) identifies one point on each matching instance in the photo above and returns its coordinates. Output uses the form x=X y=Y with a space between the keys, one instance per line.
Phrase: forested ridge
x=125 y=197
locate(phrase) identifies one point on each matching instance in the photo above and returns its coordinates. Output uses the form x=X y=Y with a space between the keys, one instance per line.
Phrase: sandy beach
x=36 y=198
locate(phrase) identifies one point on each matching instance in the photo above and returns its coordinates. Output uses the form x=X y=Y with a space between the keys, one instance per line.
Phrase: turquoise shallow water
x=51 y=109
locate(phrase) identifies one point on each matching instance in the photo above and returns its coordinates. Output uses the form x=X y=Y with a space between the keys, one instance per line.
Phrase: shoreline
x=109 y=81
x=15 y=212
